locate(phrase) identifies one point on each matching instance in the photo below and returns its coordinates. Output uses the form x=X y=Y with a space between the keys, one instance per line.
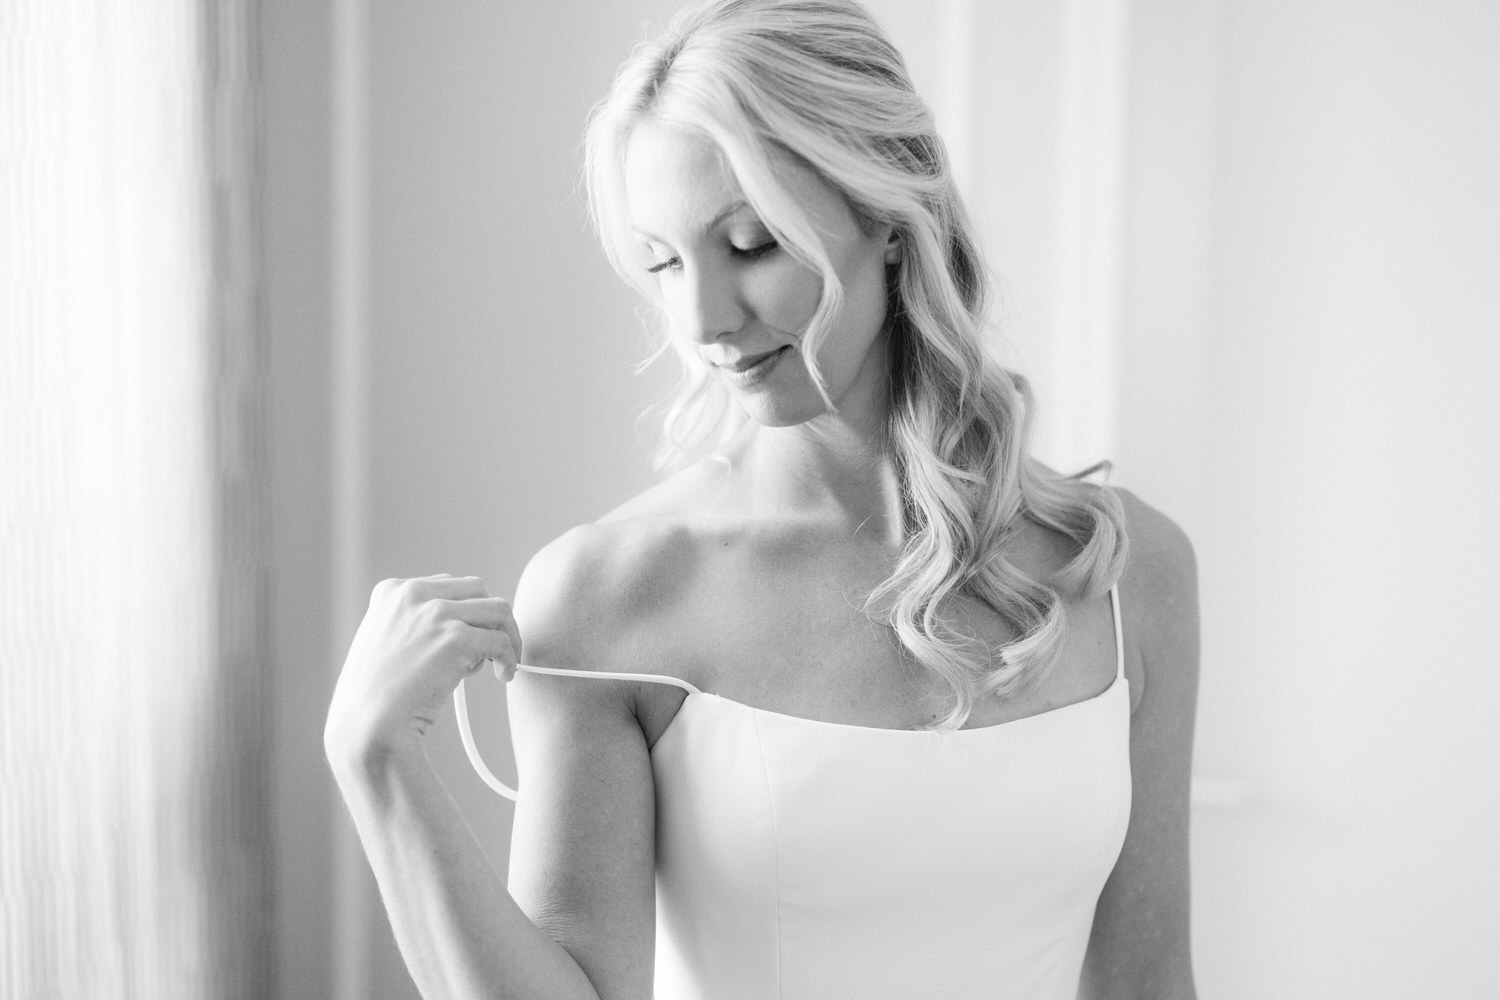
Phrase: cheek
x=864 y=305
x=866 y=299
x=785 y=296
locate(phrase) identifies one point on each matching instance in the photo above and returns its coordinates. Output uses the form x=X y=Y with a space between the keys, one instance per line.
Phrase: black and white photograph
x=749 y=500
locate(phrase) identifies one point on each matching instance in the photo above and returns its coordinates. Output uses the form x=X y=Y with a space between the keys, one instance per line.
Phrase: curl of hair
x=818 y=81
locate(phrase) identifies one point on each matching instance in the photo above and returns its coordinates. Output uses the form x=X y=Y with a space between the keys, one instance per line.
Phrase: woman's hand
x=418 y=640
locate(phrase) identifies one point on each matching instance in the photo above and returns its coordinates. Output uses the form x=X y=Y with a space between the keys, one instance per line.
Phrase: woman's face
x=744 y=301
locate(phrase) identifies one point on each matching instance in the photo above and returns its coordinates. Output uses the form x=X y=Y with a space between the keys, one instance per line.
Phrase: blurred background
x=298 y=294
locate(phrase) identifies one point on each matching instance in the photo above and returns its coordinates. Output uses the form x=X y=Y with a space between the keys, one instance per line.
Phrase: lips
x=749 y=372
x=745 y=362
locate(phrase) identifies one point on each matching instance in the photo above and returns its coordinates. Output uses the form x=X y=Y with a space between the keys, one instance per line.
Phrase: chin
x=768 y=411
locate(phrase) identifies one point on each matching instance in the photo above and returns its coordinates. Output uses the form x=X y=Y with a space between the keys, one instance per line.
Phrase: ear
x=893 y=246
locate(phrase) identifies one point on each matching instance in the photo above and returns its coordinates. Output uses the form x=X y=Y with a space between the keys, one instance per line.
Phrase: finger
x=491 y=644
x=491 y=613
x=481 y=612
x=453 y=588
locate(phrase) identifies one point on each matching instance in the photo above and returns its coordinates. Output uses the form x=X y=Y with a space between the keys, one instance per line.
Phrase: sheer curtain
x=133 y=832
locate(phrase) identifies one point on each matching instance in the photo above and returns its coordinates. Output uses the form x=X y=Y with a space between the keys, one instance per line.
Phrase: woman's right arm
x=461 y=932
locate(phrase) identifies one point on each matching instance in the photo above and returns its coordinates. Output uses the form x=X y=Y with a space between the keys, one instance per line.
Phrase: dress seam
x=765 y=770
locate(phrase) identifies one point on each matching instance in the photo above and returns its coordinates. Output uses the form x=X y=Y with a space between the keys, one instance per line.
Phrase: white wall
x=1313 y=356
x=1291 y=301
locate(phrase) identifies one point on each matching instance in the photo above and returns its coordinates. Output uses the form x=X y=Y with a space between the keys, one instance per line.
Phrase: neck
x=828 y=470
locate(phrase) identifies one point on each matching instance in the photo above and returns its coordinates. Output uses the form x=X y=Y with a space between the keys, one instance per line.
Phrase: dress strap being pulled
x=605 y=675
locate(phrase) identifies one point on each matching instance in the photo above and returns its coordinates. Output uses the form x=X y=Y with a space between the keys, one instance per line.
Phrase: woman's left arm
x=1139 y=946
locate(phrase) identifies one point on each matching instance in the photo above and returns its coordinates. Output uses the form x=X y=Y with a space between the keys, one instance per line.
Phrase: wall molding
x=349 y=394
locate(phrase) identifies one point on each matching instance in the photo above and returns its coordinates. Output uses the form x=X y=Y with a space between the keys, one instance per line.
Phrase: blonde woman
x=860 y=701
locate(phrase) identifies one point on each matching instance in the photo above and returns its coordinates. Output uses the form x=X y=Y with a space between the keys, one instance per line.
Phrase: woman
x=946 y=749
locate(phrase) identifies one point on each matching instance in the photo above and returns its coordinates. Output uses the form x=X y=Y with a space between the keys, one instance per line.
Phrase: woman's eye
x=753 y=252
x=758 y=250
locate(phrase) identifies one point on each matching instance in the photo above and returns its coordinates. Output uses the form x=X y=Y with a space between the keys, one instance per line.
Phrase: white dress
x=804 y=860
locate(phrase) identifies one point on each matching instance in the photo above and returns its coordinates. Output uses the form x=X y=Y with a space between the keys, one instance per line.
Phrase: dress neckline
x=1119 y=682
x=782 y=718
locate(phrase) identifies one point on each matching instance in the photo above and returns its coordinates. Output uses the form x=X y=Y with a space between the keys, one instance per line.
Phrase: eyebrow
x=726 y=213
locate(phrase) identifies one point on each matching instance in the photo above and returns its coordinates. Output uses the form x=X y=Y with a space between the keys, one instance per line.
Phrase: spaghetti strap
x=1114 y=606
x=606 y=675
x=466 y=732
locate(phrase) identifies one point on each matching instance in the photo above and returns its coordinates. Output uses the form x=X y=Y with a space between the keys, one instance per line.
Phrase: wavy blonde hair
x=818 y=80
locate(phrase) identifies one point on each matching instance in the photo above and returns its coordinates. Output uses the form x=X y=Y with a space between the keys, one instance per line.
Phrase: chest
x=786 y=628
x=877 y=863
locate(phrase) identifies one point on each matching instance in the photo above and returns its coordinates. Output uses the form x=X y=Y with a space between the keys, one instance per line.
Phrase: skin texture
x=746 y=577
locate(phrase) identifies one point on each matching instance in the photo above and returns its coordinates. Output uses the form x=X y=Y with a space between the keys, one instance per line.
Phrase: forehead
x=676 y=180
x=678 y=183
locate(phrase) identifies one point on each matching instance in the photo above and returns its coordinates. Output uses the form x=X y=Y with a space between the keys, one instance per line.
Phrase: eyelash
x=746 y=253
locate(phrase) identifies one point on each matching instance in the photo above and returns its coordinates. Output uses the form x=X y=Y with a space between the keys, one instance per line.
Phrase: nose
x=707 y=305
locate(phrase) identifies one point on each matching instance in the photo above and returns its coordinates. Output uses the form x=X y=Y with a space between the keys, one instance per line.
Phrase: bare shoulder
x=564 y=593
x=1159 y=596
x=581 y=598
x=584 y=599
x=1162 y=566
